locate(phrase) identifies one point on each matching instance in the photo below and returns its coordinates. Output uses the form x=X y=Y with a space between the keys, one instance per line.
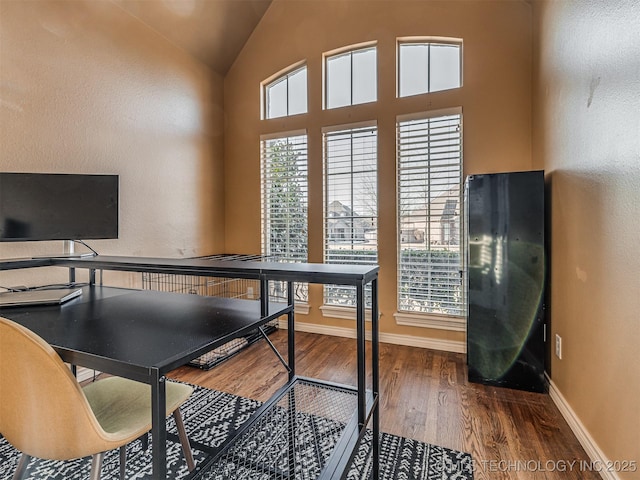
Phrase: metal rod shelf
x=308 y=430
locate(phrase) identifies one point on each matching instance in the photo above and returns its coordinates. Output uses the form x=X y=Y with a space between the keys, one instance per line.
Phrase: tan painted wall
x=496 y=102
x=587 y=138
x=87 y=88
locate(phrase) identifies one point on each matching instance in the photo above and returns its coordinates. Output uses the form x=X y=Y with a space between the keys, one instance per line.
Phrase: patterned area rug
x=210 y=416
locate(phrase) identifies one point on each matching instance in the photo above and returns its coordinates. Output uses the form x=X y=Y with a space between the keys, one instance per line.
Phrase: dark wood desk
x=142 y=335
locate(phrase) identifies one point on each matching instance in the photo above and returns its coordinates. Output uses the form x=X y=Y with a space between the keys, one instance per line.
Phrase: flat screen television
x=54 y=206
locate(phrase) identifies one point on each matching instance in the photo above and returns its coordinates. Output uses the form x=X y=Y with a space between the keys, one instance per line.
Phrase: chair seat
x=123 y=406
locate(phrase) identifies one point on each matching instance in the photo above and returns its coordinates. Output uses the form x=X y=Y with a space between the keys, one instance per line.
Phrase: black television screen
x=54 y=206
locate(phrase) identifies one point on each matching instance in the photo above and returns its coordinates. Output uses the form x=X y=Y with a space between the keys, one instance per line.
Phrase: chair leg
x=123 y=462
x=21 y=469
x=96 y=465
x=184 y=441
x=145 y=441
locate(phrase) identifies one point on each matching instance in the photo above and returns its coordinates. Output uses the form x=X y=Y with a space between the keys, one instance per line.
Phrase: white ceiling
x=213 y=31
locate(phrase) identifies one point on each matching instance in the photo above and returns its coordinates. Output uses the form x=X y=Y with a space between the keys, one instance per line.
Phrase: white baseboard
x=396 y=339
x=596 y=455
x=422 y=342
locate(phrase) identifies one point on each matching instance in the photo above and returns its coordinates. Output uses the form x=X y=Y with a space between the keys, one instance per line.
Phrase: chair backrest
x=43 y=411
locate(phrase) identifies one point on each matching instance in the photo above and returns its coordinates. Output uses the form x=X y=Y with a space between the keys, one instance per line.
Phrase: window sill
x=301 y=308
x=347 y=313
x=425 y=320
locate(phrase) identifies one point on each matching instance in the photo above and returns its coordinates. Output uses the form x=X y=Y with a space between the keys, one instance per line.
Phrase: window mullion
x=429 y=68
x=287 y=95
x=351 y=75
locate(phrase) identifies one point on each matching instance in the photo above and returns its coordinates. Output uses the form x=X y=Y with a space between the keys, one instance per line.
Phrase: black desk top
x=123 y=331
x=298 y=272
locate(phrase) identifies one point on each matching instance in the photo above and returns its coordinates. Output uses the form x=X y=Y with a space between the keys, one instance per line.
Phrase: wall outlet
x=558 y=346
x=250 y=293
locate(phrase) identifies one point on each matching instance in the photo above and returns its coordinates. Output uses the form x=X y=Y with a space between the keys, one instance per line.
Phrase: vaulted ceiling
x=213 y=31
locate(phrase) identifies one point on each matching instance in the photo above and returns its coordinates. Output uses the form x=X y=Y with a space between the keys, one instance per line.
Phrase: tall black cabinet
x=506 y=274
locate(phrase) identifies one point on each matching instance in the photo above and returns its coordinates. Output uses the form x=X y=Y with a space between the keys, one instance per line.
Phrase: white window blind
x=429 y=215
x=286 y=95
x=350 y=203
x=284 y=204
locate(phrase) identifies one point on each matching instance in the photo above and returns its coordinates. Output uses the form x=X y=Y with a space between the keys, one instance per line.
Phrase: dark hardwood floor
x=425 y=395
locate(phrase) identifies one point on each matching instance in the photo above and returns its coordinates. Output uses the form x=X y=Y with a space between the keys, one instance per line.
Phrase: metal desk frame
x=355 y=275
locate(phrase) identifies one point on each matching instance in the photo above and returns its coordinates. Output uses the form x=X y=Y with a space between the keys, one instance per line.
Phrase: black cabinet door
x=506 y=272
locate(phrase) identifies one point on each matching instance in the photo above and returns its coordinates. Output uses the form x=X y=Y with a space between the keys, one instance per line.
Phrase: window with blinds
x=284 y=204
x=430 y=260
x=350 y=203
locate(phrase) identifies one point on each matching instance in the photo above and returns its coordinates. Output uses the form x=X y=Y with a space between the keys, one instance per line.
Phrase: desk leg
x=291 y=332
x=361 y=355
x=375 y=369
x=158 y=425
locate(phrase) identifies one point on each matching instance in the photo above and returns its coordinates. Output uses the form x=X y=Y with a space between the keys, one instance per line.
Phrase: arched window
x=350 y=77
x=426 y=66
x=286 y=95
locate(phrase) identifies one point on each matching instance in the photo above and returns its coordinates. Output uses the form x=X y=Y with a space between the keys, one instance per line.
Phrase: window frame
x=283 y=76
x=343 y=51
x=427 y=41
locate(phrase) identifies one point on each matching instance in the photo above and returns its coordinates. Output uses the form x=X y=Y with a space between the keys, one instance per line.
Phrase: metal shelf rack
x=293 y=436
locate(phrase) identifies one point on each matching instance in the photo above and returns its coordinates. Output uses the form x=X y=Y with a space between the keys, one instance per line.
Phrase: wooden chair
x=45 y=413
